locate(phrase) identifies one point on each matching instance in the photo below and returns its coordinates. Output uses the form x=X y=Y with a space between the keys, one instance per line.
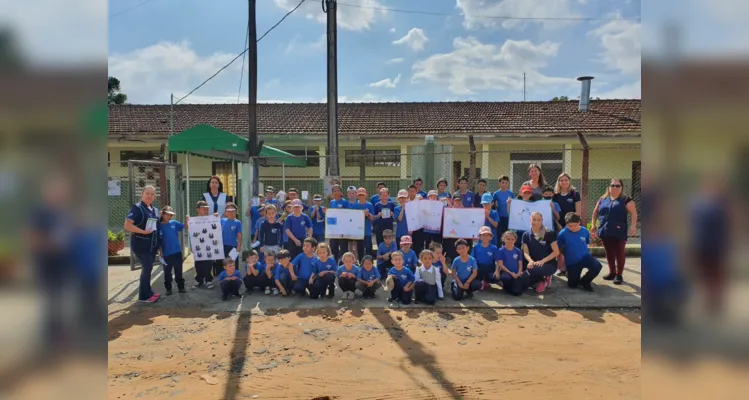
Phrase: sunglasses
x=615 y=186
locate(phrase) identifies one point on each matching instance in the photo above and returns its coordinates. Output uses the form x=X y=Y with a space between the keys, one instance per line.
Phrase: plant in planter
x=595 y=241
x=115 y=242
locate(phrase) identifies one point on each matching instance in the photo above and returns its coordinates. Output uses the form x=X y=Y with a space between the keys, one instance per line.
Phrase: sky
x=466 y=53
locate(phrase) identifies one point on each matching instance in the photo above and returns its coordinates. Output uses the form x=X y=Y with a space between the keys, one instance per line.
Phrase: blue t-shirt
x=409 y=259
x=574 y=245
x=342 y=203
x=169 y=235
x=229 y=230
x=282 y=272
x=500 y=199
x=354 y=270
x=464 y=269
x=298 y=225
x=324 y=266
x=383 y=249
x=494 y=215
x=223 y=275
x=423 y=194
x=257 y=225
x=367 y=223
x=382 y=222
x=371 y=274
x=318 y=223
x=401 y=228
x=254 y=217
x=303 y=266
x=404 y=275
x=263 y=267
x=467 y=198
x=485 y=255
x=510 y=258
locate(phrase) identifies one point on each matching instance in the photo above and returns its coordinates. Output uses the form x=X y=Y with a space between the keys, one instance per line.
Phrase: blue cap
x=486 y=198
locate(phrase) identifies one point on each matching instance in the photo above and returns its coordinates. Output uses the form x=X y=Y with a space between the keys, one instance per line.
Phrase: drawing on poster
x=206 y=241
x=520 y=214
x=425 y=214
x=344 y=224
x=463 y=223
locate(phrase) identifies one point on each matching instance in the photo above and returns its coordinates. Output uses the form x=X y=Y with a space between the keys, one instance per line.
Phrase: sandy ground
x=375 y=354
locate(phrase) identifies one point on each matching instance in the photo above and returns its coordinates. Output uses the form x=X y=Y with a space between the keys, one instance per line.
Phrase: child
x=285 y=277
x=347 y=274
x=303 y=266
x=442 y=194
x=440 y=263
x=449 y=243
x=231 y=231
x=401 y=228
x=480 y=192
x=285 y=212
x=417 y=236
x=323 y=276
x=298 y=227
x=376 y=197
x=384 y=252
x=510 y=266
x=171 y=249
x=526 y=194
x=364 y=247
x=465 y=271
x=203 y=268
x=409 y=256
x=255 y=273
x=400 y=280
x=491 y=216
x=548 y=194
x=230 y=279
x=368 y=279
x=573 y=240
x=428 y=286
x=338 y=246
x=270 y=231
x=270 y=197
x=466 y=196
x=317 y=215
x=486 y=255
x=257 y=223
x=432 y=236
x=500 y=203
x=269 y=272
x=384 y=210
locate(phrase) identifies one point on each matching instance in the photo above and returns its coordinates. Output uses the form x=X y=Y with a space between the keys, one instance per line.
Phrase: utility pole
x=333 y=167
x=254 y=149
x=524 y=87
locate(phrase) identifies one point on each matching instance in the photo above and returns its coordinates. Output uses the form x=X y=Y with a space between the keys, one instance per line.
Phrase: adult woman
x=567 y=197
x=610 y=220
x=540 y=251
x=142 y=223
x=215 y=196
x=537 y=181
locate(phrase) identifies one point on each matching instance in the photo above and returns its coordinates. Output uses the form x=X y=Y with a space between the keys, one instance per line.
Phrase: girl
x=282 y=219
x=537 y=181
x=324 y=272
x=526 y=194
x=540 y=251
x=449 y=243
x=269 y=233
x=428 y=286
x=401 y=228
x=368 y=279
x=491 y=217
x=231 y=231
x=317 y=215
x=347 y=274
x=364 y=247
x=510 y=266
x=400 y=280
x=409 y=256
x=567 y=197
x=442 y=194
x=171 y=250
x=141 y=222
x=440 y=262
x=486 y=255
x=610 y=218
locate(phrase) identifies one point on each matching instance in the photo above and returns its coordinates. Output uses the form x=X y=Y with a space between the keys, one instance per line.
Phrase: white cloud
x=392 y=30
x=415 y=39
x=296 y=45
x=528 y=9
x=394 y=61
x=386 y=83
x=365 y=98
x=349 y=18
x=473 y=66
x=628 y=91
x=621 y=45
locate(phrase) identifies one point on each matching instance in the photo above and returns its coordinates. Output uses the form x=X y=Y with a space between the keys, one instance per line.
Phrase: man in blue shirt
x=465 y=194
x=573 y=241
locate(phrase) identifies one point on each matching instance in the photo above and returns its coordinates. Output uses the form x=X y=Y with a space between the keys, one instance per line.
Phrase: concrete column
x=323 y=161
x=484 y=161
x=404 y=161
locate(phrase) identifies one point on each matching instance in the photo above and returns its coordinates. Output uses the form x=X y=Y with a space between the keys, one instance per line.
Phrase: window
x=312 y=157
x=377 y=158
x=224 y=172
x=551 y=164
x=127 y=155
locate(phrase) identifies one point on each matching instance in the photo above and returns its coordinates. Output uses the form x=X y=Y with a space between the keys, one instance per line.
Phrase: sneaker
x=237 y=295
x=331 y=294
x=267 y=290
x=469 y=295
x=182 y=290
x=484 y=285
x=541 y=286
x=391 y=299
x=609 y=277
x=169 y=292
x=210 y=285
x=156 y=295
x=351 y=295
x=587 y=287
x=562 y=273
x=618 y=280
x=224 y=297
x=196 y=285
x=150 y=299
x=276 y=292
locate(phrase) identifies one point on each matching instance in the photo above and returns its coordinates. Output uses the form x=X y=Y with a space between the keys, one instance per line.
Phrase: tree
x=560 y=98
x=114 y=95
x=10 y=54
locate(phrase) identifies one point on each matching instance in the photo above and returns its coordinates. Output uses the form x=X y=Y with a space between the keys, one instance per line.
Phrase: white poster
x=520 y=214
x=206 y=241
x=113 y=187
x=341 y=223
x=463 y=223
x=425 y=214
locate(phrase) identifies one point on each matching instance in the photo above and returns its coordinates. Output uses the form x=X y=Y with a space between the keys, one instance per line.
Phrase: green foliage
x=594 y=239
x=115 y=237
x=560 y=98
x=114 y=94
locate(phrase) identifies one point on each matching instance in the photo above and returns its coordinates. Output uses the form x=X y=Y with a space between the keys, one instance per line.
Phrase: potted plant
x=115 y=242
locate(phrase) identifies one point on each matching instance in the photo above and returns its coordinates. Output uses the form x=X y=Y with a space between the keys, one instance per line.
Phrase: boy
x=466 y=196
x=303 y=266
x=401 y=227
x=384 y=251
x=465 y=271
x=323 y=276
x=338 y=246
x=418 y=183
x=449 y=243
x=500 y=203
x=294 y=195
x=384 y=210
x=230 y=280
x=347 y=274
x=317 y=215
x=400 y=280
x=254 y=273
x=268 y=270
x=409 y=256
x=270 y=197
x=298 y=227
x=285 y=277
x=573 y=241
x=270 y=231
x=548 y=194
x=417 y=236
x=368 y=279
x=442 y=194
x=203 y=268
x=376 y=198
x=440 y=262
x=491 y=216
x=231 y=231
x=428 y=286
x=478 y=198
x=257 y=223
x=364 y=247
x=510 y=266
x=486 y=255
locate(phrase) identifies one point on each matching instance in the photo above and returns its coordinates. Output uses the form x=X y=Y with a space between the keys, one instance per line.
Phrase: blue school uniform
x=409 y=259
x=500 y=200
x=369 y=275
x=258 y=224
x=169 y=238
x=342 y=203
x=318 y=223
x=367 y=223
x=574 y=245
x=510 y=258
x=282 y=272
x=354 y=270
x=468 y=198
x=401 y=228
x=494 y=215
x=324 y=266
x=404 y=275
x=254 y=218
x=229 y=230
x=223 y=275
x=566 y=203
x=486 y=258
x=464 y=269
x=303 y=266
x=298 y=225
x=383 y=223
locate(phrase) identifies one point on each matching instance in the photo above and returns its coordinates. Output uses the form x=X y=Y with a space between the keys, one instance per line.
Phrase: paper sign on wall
x=341 y=223
x=425 y=214
x=206 y=240
x=463 y=223
x=520 y=214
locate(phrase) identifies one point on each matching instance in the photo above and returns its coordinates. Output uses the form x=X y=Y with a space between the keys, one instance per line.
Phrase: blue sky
x=171 y=46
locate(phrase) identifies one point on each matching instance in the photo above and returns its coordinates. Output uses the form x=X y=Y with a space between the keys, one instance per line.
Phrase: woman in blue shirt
x=610 y=218
x=142 y=223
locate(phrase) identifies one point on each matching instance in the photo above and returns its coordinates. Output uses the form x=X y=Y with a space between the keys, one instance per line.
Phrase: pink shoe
x=483 y=286
x=151 y=299
x=548 y=281
x=541 y=286
x=156 y=295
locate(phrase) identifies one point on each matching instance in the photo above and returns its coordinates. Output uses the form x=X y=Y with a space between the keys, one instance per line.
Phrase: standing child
x=401 y=228
x=409 y=256
x=285 y=276
x=440 y=263
x=203 y=275
x=317 y=215
x=364 y=247
x=500 y=203
x=465 y=270
x=432 y=236
x=255 y=273
x=466 y=196
x=442 y=194
x=171 y=249
x=338 y=246
x=417 y=236
x=449 y=243
x=303 y=266
x=270 y=232
x=323 y=277
x=298 y=227
x=257 y=223
x=526 y=194
x=230 y=279
x=231 y=231
x=384 y=252
x=347 y=274
x=428 y=286
x=573 y=241
x=368 y=279
x=510 y=266
x=384 y=210
x=480 y=192
x=486 y=255
x=286 y=211
x=400 y=280
x=491 y=217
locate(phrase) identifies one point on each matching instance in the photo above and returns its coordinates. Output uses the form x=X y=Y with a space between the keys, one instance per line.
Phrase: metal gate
x=167 y=179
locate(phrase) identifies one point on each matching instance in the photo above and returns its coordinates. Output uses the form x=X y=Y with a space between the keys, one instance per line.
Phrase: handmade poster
x=341 y=223
x=206 y=241
x=463 y=223
x=520 y=214
x=413 y=213
x=425 y=214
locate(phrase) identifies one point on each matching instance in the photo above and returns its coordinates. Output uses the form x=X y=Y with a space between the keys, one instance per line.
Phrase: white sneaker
x=267 y=290
x=195 y=285
x=351 y=295
x=344 y=295
x=210 y=285
x=276 y=292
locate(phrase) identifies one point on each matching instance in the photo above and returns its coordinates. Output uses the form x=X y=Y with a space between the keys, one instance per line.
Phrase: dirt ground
x=375 y=354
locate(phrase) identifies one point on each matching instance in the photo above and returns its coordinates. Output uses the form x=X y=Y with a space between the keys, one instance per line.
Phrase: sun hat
x=296 y=203
x=168 y=210
x=485 y=230
x=526 y=188
x=317 y=197
x=361 y=192
x=350 y=188
x=486 y=198
x=406 y=240
x=432 y=193
x=403 y=193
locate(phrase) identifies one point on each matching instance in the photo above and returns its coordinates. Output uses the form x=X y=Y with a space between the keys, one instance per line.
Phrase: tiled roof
x=361 y=119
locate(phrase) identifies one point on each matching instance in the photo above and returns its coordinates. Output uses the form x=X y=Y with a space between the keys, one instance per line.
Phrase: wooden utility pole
x=330 y=7
x=254 y=149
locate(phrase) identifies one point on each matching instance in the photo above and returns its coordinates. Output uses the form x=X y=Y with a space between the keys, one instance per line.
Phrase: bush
x=115 y=237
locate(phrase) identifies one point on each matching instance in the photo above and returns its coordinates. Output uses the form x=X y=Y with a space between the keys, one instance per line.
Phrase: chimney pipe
x=584 y=92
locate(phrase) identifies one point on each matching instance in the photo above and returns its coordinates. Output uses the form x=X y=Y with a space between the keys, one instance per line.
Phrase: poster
x=425 y=214
x=520 y=214
x=206 y=241
x=341 y=223
x=463 y=223
x=113 y=187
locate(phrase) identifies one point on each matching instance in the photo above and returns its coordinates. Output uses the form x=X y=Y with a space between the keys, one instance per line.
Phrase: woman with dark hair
x=610 y=218
x=215 y=196
x=537 y=181
x=142 y=223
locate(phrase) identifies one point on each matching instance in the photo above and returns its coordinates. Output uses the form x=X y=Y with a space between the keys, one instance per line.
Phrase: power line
x=242 y=53
x=241 y=70
x=142 y=3
x=487 y=16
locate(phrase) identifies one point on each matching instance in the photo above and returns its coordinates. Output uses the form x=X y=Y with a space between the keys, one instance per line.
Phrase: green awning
x=211 y=142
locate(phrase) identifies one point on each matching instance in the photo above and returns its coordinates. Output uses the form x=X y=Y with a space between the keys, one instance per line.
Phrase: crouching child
x=254 y=273
x=368 y=279
x=324 y=271
x=285 y=276
x=465 y=270
x=400 y=280
x=347 y=274
x=230 y=280
x=303 y=266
